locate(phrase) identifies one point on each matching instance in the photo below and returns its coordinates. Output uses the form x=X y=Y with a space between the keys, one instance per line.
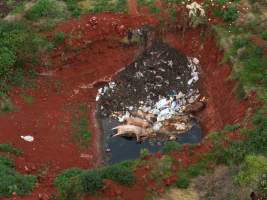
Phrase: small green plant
x=144 y=153
x=231 y=127
x=7 y=148
x=264 y=35
x=162 y=168
x=183 y=180
x=73 y=7
x=5 y=104
x=59 y=38
x=171 y=146
x=11 y=181
x=27 y=98
x=120 y=173
x=80 y=126
x=108 y=6
x=230 y=14
x=92 y=181
x=197 y=169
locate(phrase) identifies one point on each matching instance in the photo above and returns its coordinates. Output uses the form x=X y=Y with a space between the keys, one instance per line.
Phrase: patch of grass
x=27 y=98
x=171 y=146
x=183 y=180
x=47 y=9
x=144 y=153
x=108 y=6
x=80 y=126
x=231 y=127
x=59 y=38
x=20 y=45
x=12 y=181
x=251 y=170
x=197 y=169
x=162 y=168
x=7 y=148
x=5 y=104
x=91 y=181
x=264 y=35
x=73 y=7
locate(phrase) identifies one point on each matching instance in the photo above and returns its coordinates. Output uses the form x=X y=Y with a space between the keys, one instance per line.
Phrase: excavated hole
x=159 y=72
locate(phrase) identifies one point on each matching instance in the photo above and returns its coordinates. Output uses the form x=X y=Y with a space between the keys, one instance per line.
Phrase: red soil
x=49 y=117
x=97 y=57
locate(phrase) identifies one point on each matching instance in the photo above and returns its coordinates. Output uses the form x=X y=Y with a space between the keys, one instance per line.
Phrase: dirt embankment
x=223 y=107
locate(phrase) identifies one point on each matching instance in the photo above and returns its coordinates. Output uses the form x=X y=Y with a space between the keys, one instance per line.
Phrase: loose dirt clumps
x=155 y=89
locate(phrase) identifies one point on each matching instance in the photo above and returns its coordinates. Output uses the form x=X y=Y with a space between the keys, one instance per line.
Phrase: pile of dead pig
x=154 y=96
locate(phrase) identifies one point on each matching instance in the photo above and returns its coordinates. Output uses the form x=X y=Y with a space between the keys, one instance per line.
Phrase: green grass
x=162 y=168
x=20 y=46
x=183 y=180
x=27 y=98
x=171 y=146
x=108 y=6
x=7 y=148
x=91 y=181
x=12 y=181
x=59 y=38
x=6 y=105
x=47 y=9
x=80 y=125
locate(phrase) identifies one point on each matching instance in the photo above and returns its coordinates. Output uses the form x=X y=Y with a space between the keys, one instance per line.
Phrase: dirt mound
x=159 y=71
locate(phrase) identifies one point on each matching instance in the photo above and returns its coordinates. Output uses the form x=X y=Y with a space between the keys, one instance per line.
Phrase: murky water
x=124 y=149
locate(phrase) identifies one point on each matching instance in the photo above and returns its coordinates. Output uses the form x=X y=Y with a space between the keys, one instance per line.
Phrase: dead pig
x=137 y=122
x=131 y=131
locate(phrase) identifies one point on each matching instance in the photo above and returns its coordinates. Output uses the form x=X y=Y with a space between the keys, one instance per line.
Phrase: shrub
x=183 y=180
x=46 y=8
x=92 y=181
x=196 y=169
x=162 y=168
x=73 y=7
x=109 y=6
x=11 y=181
x=231 y=127
x=264 y=35
x=252 y=169
x=230 y=14
x=119 y=173
x=10 y=149
x=171 y=146
x=59 y=38
x=6 y=162
x=69 y=184
x=144 y=153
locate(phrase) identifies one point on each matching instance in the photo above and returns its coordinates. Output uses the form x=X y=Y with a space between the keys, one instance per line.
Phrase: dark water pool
x=125 y=149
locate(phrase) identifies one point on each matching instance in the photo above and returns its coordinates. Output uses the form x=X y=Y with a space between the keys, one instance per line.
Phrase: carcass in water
x=137 y=122
x=132 y=131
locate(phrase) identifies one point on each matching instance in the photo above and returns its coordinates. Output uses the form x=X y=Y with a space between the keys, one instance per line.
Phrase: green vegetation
x=231 y=127
x=252 y=169
x=162 y=168
x=80 y=126
x=20 y=46
x=5 y=104
x=73 y=7
x=144 y=153
x=11 y=181
x=47 y=9
x=108 y=6
x=171 y=146
x=151 y=4
x=7 y=148
x=183 y=180
x=264 y=35
x=91 y=181
x=59 y=38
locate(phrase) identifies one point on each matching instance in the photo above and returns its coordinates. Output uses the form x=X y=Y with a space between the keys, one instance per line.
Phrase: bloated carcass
x=132 y=131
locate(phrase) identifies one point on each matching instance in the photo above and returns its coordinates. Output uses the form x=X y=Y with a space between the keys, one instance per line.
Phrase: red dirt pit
x=98 y=56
